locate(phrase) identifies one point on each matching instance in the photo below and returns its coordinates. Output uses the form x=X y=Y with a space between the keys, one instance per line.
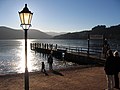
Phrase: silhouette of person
x=50 y=62
x=109 y=70
x=106 y=47
x=117 y=69
x=43 y=68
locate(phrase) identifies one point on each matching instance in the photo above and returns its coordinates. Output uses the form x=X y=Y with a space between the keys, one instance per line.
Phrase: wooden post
x=88 y=45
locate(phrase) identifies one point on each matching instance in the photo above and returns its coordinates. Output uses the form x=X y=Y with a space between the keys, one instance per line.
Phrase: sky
x=61 y=15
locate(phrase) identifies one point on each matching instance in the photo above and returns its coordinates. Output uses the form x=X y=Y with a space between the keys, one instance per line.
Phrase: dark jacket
x=50 y=59
x=110 y=65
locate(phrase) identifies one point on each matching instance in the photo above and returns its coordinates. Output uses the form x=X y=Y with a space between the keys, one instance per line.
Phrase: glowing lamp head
x=25 y=17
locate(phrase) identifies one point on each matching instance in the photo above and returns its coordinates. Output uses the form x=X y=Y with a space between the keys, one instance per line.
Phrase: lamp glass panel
x=30 y=18
x=26 y=18
x=21 y=18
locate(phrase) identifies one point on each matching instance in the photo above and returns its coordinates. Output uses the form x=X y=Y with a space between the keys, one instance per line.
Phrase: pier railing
x=94 y=52
x=74 y=54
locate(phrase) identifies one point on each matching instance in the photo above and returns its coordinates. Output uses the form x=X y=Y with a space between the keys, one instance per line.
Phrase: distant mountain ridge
x=112 y=32
x=9 y=33
x=55 y=33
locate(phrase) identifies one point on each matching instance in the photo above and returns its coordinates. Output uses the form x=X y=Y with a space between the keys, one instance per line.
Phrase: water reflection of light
x=34 y=59
x=22 y=55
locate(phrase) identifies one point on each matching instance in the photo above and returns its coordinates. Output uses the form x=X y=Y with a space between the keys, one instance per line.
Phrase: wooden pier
x=79 y=55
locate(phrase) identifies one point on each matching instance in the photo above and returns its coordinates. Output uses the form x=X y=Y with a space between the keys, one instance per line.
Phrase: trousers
x=110 y=82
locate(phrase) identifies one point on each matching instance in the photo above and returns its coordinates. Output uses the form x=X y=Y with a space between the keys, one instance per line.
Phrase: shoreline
x=61 y=69
x=86 y=78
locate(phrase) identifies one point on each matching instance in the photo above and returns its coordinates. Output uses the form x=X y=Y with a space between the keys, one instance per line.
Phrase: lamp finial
x=25 y=5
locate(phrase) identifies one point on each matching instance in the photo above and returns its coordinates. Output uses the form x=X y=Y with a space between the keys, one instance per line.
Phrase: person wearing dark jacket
x=117 y=69
x=50 y=62
x=109 y=69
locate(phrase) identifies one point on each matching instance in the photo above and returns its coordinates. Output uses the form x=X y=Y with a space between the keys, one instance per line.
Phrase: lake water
x=12 y=54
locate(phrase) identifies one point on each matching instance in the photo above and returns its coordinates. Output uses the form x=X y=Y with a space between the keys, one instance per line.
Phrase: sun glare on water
x=22 y=55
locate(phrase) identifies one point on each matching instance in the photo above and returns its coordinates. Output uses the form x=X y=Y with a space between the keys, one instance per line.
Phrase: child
x=43 y=69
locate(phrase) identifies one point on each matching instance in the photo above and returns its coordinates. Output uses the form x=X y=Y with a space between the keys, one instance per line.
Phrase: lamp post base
x=26 y=79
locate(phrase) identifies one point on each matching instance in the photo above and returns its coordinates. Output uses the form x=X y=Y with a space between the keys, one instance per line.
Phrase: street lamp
x=25 y=18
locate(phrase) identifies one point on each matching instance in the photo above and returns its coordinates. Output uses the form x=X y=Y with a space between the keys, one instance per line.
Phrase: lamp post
x=25 y=18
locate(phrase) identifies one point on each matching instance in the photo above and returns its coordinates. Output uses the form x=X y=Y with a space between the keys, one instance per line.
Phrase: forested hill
x=9 y=33
x=112 y=32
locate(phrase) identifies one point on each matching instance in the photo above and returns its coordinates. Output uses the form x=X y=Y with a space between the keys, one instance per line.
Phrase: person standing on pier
x=106 y=47
x=50 y=61
x=117 y=69
x=110 y=70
